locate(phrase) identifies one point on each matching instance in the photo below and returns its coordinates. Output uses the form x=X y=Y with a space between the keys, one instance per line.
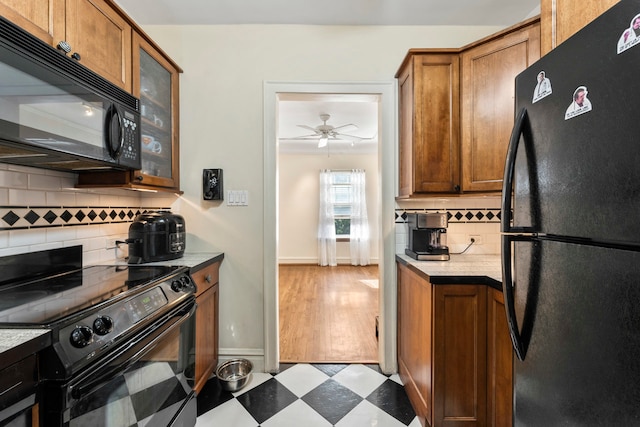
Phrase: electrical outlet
x=477 y=239
x=110 y=244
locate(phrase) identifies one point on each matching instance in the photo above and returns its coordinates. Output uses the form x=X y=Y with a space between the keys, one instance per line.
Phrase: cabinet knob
x=139 y=177
x=64 y=46
x=208 y=278
x=457 y=187
x=76 y=56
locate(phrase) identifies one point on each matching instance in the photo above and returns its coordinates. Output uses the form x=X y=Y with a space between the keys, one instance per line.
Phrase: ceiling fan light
x=323 y=142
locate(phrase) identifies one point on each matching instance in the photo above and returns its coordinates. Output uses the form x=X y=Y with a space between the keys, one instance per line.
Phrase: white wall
x=299 y=203
x=222 y=127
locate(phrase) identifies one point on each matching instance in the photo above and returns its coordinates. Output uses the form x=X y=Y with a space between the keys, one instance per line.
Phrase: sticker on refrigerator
x=543 y=87
x=580 y=103
x=630 y=36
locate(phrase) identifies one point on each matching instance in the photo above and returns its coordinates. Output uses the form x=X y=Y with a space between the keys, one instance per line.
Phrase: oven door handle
x=139 y=348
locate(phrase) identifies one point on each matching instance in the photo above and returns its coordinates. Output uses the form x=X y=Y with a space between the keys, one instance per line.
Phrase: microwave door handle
x=509 y=169
x=113 y=131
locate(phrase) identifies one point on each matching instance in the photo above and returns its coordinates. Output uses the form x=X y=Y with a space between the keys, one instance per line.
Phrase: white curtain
x=359 y=236
x=326 y=224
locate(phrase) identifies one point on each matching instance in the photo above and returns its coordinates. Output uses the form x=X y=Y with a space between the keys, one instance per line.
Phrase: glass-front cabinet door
x=155 y=82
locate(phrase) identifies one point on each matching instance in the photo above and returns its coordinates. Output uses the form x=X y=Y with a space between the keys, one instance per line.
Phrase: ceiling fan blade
x=349 y=125
x=294 y=138
x=308 y=127
x=359 y=138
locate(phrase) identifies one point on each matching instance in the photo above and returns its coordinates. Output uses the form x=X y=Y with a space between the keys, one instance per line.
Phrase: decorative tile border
x=470 y=215
x=26 y=217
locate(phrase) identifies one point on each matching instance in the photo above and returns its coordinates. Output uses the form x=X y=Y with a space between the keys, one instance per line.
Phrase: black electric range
x=90 y=309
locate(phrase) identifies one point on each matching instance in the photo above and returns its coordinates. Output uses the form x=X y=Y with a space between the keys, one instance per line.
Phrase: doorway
x=386 y=223
x=324 y=311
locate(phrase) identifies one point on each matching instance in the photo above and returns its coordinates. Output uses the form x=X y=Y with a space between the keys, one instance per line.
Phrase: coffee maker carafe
x=427 y=236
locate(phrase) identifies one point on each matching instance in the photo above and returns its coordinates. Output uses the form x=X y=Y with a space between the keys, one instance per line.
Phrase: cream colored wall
x=299 y=203
x=221 y=126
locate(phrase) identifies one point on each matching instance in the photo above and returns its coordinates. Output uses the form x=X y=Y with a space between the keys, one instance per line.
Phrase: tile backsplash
x=40 y=209
x=468 y=216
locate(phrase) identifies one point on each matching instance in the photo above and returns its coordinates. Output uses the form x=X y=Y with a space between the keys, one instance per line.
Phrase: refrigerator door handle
x=509 y=303
x=509 y=167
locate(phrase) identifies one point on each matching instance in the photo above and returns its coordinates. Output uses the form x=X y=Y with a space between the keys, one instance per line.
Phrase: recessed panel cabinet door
x=499 y=363
x=42 y=18
x=102 y=38
x=487 y=110
x=560 y=19
x=429 y=125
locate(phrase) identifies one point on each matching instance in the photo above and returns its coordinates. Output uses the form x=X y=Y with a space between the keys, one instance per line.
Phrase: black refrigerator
x=571 y=230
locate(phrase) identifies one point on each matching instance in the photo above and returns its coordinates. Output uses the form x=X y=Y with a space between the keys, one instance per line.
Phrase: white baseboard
x=254 y=355
x=294 y=260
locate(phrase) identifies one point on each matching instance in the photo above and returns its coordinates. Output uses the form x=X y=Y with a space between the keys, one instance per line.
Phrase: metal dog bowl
x=234 y=374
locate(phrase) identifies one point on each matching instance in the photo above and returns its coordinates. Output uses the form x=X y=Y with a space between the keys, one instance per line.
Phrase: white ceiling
x=331 y=12
x=344 y=109
x=305 y=109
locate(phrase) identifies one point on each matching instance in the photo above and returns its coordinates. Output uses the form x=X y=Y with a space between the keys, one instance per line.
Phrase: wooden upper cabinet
x=560 y=19
x=429 y=123
x=92 y=28
x=456 y=112
x=102 y=38
x=42 y=18
x=487 y=109
x=156 y=83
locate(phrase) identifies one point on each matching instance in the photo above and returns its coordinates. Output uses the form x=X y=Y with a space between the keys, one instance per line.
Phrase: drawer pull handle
x=208 y=278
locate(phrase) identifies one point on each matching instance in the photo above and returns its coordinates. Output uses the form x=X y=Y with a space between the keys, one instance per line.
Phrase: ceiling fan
x=324 y=132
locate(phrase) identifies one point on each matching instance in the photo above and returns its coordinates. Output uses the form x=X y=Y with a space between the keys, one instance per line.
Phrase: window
x=342 y=196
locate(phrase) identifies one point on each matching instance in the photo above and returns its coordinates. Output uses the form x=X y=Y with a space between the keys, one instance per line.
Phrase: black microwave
x=57 y=114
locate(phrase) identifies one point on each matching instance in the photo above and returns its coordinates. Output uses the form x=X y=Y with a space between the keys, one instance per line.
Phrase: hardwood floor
x=328 y=314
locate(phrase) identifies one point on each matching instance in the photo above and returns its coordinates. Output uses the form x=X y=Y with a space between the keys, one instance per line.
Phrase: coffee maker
x=427 y=236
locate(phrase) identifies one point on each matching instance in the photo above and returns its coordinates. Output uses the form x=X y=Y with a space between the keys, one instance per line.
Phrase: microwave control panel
x=130 y=153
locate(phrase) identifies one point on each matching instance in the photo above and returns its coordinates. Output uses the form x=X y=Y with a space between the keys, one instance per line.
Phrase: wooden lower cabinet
x=414 y=341
x=499 y=363
x=454 y=352
x=459 y=355
x=207 y=298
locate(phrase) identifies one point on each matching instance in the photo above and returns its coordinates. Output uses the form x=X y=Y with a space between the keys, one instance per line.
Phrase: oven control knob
x=103 y=325
x=186 y=281
x=177 y=286
x=81 y=336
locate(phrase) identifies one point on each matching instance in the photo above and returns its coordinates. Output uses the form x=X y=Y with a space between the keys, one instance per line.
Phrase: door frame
x=387 y=169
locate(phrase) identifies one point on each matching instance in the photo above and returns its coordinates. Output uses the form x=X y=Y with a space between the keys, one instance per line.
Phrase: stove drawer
x=18 y=387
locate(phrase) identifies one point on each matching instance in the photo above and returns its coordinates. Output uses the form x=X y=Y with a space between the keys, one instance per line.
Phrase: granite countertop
x=16 y=344
x=459 y=269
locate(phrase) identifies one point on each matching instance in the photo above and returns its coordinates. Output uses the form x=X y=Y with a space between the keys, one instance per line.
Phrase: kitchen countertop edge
x=193 y=260
x=460 y=269
x=18 y=343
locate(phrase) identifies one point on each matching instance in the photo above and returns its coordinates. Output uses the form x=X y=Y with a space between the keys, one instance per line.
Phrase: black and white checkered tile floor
x=310 y=395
